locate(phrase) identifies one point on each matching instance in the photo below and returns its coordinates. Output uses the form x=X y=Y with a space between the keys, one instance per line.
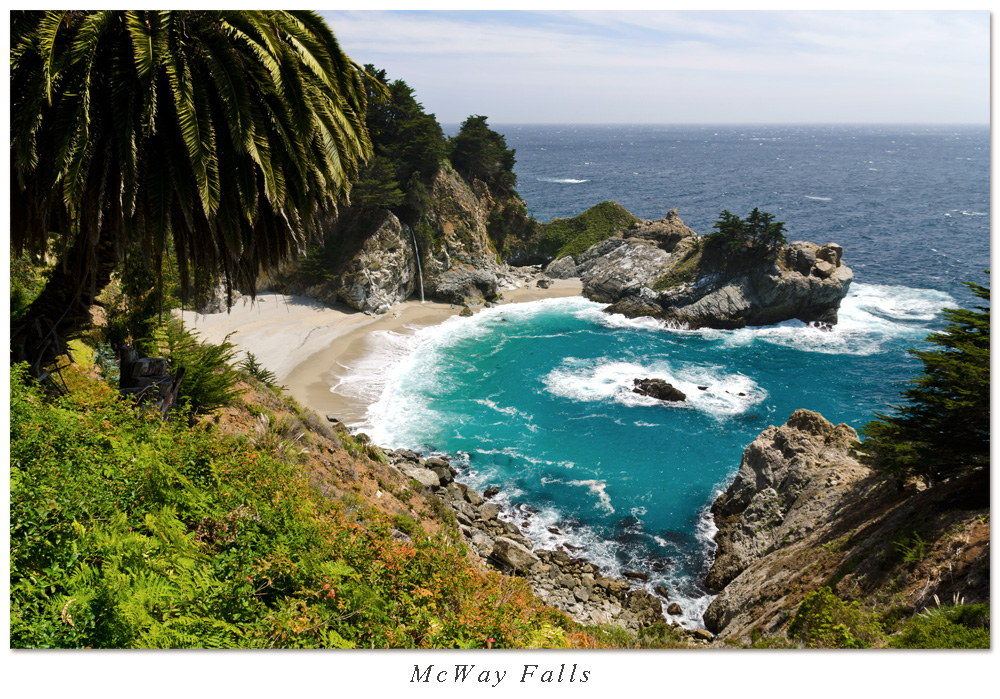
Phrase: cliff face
x=460 y=264
x=662 y=269
x=375 y=265
x=802 y=513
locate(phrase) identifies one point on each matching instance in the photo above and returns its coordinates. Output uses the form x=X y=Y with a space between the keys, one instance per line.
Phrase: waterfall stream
x=420 y=271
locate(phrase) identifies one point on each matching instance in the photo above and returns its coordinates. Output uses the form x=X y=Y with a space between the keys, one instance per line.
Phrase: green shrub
x=823 y=620
x=962 y=626
x=27 y=279
x=406 y=525
x=572 y=236
x=759 y=234
x=209 y=379
x=943 y=430
x=127 y=532
x=257 y=370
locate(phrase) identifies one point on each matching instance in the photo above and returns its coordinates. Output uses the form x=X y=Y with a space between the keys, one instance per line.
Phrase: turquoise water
x=536 y=399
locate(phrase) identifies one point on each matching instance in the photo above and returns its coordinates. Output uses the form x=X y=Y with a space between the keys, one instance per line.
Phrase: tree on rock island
x=222 y=136
x=758 y=232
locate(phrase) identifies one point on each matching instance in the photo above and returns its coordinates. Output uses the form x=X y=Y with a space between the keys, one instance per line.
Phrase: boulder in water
x=659 y=389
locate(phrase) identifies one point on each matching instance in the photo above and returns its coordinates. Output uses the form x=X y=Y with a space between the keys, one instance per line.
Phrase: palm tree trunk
x=62 y=310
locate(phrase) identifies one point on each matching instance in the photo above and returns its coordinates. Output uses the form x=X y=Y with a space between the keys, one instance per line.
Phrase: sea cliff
x=803 y=514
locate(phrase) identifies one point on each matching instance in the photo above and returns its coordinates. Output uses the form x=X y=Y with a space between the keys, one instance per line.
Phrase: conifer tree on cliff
x=943 y=430
x=226 y=134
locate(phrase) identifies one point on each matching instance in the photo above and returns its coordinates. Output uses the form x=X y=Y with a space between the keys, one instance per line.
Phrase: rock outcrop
x=658 y=389
x=375 y=264
x=802 y=514
x=375 y=272
x=560 y=579
x=460 y=264
x=663 y=269
x=791 y=477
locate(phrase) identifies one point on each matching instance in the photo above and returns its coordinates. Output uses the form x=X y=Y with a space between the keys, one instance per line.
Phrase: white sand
x=302 y=340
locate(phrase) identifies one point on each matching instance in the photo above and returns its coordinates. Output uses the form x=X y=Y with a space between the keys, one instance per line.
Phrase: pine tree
x=944 y=428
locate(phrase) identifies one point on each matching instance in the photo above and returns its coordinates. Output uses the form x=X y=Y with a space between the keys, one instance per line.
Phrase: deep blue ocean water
x=535 y=398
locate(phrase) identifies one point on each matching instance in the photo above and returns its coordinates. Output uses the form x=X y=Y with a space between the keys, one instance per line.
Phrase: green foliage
x=127 y=532
x=912 y=549
x=408 y=143
x=572 y=236
x=823 y=620
x=229 y=135
x=136 y=300
x=961 y=626
x=257 y=370
x=27 y=278
x=406 y=524
x=480 y=153
x=684 y=271
x=106 y=360
x=944 y=428
x=209 y=377
x=359 y=445
x=509 y=224
x=377 y=186
x=759 y=234
x=401 y=132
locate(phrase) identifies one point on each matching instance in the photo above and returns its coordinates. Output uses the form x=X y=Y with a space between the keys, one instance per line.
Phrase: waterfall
x=420 y=271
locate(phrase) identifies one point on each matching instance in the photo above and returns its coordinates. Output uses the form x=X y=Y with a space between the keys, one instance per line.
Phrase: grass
x=573 y=236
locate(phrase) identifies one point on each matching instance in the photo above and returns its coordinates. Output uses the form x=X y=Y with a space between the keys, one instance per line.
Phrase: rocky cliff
x=460 y=264
x=371 y=261
x=665 y=270
x=802 y=513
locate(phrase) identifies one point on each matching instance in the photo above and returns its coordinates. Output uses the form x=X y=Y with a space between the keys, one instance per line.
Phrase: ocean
x=536 y=398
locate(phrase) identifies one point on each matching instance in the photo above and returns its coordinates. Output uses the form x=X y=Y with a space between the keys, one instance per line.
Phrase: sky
x=682 y=66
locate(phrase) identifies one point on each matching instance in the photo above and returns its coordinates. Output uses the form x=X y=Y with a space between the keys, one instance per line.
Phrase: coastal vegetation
x=155 y=152
x=252 y=527
x=943 y=429
x=572 y=236
x=758 y=235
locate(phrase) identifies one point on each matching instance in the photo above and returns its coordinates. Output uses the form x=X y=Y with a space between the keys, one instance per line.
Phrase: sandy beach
x=303 y=340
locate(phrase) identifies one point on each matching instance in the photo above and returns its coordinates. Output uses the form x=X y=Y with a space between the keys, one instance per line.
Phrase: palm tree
x=228 y=134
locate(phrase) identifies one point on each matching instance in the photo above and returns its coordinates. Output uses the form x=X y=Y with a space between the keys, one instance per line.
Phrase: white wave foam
x=610 y=380
x=598 y=488
x=818 y=198
x=384 y=378
x=560 y=180
x=509 y=410
x=975 y=213
x=870 y=316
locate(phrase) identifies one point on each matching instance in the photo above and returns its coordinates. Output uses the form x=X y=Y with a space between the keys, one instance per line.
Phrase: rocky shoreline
x=570 y=584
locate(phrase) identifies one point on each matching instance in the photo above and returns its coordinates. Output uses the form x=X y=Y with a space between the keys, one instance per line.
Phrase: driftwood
x=147 y=380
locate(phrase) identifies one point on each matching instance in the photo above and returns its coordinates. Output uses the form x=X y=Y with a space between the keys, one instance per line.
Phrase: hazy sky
x=682 y=66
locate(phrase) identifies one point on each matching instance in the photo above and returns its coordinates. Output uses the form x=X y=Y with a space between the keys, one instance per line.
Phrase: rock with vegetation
x=569 y=583
x=459 y=260
x=806 y=522
x=665 y=270
x=563 y=237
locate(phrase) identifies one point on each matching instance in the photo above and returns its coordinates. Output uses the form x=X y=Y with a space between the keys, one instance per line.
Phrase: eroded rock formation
x=802 y=514
x=663 y=269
